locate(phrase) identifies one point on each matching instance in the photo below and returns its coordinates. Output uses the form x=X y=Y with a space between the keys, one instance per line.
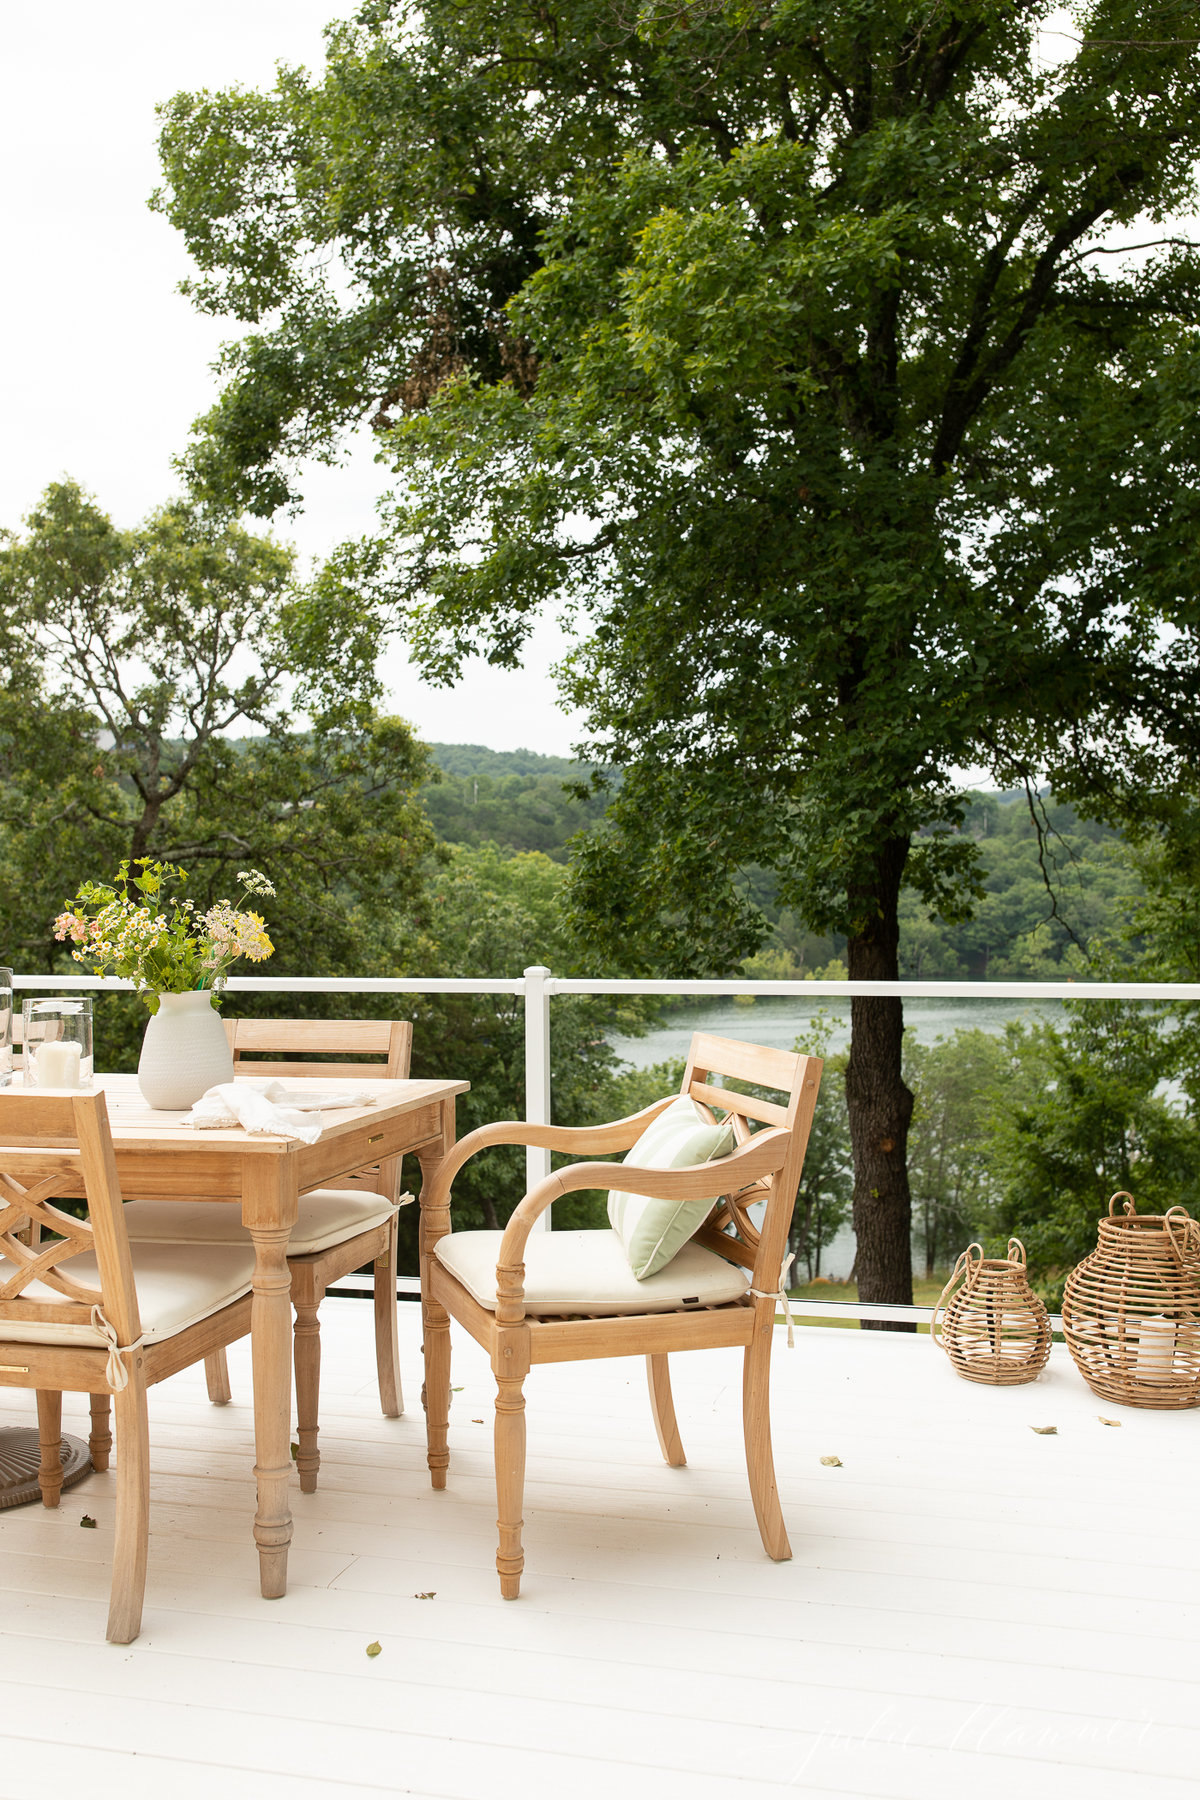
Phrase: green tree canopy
x=781 y=339
x=142 y=662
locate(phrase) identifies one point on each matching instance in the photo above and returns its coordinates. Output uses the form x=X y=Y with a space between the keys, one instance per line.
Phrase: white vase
x=184 y=1052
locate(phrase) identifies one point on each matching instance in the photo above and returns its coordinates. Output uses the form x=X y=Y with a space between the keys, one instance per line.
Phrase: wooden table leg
x=435 y=1320
x=269 y=1211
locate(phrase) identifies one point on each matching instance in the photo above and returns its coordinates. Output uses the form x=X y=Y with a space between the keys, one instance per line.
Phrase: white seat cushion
x=588 y=1272
x=176 y=1287
x=326 y=1216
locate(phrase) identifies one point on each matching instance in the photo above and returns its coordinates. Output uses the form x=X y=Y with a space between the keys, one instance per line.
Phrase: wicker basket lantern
x=1131 y=1310
x=995 y=1328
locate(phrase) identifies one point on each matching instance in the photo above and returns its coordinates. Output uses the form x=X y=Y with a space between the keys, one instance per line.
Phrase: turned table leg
x=269 y=1211
x=435 y=1320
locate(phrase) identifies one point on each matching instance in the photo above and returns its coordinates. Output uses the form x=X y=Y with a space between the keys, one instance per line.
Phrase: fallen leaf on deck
x=831 y=1462
x=1045 y=1430
x=374 y=1649
x=89 y=1524
x=429 y=1596
x=1105 y=1421
x=477 y=1421
x=456 y=1390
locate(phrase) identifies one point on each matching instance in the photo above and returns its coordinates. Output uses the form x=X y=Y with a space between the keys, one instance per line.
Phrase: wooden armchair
x=337 y=1229
x=82 y=1313
x=564 y=1296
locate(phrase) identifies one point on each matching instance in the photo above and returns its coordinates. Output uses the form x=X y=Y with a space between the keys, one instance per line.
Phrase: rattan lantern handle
x=1016 y=1252
x=1129 y=1208
x=1179 y=1215
x=964 y=1266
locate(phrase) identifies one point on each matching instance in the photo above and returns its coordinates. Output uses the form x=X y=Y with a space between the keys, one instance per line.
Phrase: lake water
x=779 y=1019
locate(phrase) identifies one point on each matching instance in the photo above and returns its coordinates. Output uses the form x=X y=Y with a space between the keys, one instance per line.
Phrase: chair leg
x=50 y=1473
x=436 y=1333
x=306 y=1354
x=510 y=1481
x=662 y=1407
x=387 y=1348
x=216 y=1373
x=133 y=1511
x=756 y=1423
x=100 y=1437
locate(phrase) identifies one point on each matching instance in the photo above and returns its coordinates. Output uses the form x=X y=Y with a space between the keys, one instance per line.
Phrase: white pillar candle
x=1155 y=1358
x=58 y=1064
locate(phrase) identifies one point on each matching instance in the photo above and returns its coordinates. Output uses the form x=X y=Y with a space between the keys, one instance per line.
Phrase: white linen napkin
x=269 y=1107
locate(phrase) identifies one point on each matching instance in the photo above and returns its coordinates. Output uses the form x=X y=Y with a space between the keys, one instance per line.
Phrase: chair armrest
x=763 y=1155
x=617 y=1134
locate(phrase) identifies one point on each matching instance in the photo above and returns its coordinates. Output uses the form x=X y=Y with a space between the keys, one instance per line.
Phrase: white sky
x=106 y=364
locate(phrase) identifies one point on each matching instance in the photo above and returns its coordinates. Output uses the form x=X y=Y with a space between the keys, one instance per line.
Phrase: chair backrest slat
x=745 y=1062
x=390 y=1039
x=748 y=1106
x=325 y=1071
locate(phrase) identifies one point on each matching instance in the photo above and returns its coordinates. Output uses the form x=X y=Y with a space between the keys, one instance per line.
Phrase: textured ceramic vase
x=184 y=1052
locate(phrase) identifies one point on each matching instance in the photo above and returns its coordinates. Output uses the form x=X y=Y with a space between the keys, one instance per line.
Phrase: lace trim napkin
x=269 y=1107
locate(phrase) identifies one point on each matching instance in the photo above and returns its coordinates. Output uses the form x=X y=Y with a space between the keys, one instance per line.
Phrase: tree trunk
x=879 y=1102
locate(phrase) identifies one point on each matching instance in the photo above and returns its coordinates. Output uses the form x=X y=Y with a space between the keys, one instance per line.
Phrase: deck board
x=970 y=1606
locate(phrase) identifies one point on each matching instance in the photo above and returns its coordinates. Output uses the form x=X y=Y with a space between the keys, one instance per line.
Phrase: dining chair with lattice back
x=337 y=1230
x=563 y=1296
x=83 y=1311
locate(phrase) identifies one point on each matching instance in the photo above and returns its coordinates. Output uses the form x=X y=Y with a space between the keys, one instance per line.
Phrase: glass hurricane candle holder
x=58 y=1042
x=6 y=1016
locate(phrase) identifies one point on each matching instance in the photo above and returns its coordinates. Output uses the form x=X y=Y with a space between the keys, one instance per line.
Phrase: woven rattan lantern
x=1131 y=1310
x=995 y=1328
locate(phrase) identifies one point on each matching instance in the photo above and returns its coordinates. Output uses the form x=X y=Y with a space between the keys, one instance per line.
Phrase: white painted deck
x=972 y=1609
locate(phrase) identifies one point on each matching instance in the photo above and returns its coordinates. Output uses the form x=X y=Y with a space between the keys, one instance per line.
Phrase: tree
x=781 y=340
x=956 y=1084
x=1084 y=1113
x=139 y=659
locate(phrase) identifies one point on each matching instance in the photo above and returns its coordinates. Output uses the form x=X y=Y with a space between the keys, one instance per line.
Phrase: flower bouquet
x=136 y=930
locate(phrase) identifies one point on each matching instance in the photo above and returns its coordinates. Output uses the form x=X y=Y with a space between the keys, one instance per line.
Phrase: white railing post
x=537 y=1074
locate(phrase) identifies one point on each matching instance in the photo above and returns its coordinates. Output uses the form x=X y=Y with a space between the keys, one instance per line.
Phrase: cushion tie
x=115 y=1372
x=781 y=1295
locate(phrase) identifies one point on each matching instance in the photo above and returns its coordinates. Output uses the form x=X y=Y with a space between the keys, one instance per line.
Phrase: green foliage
x=132 y=658
x=1056 y=890
x=138 y=930
x=477 y=759
x=139 y=654
x=1059 y=894
x=1029 y=1134
x=956 y=1085
x=511 y=798
x=1087 y=1113
x=827 y=1181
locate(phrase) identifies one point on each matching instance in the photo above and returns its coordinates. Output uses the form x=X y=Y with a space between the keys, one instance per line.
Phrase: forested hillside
x=513 y=798
x=1052 y=898
x=1051 y=895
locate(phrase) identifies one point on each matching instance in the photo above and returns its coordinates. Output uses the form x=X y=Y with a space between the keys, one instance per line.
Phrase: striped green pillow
x=652 y=1231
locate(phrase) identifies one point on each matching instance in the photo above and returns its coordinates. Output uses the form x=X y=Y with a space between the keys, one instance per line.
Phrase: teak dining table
x=161 y=1157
